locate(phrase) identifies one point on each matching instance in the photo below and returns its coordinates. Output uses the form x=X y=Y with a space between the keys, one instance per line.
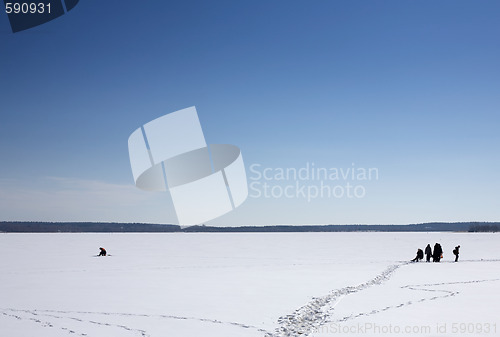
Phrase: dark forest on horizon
x=106 y=227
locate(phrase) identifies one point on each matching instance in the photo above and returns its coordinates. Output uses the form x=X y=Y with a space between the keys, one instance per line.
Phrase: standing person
x=428 y=252
x=456 y=252
x=102 y=251
x=420 y=255
x=438 y=253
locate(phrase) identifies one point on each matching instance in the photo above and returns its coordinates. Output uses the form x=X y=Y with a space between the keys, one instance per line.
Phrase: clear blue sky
x=411 y=88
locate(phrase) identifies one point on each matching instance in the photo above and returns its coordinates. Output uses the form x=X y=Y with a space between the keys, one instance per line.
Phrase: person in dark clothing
x=438 y=253
x=420 y=255
x=428 y=252
x=102 y=252
x=456 y=252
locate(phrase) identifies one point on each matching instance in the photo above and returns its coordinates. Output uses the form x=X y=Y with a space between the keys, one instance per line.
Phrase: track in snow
x=301 y=322
x=314 y=314
x=320 y=310
x=442 y=293
x=46 y=319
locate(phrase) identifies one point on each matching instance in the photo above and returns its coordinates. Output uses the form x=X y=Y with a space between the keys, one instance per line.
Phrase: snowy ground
x=297 y=284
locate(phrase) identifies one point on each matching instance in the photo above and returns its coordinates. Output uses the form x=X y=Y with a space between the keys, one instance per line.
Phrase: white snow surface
x=241 y=284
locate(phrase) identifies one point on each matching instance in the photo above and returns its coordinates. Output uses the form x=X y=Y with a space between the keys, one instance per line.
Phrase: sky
x=409 y=89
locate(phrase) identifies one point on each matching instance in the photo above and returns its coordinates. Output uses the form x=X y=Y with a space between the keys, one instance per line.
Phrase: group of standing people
x=436 y=254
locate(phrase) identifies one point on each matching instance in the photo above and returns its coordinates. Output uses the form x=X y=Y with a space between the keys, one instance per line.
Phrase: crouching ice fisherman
x=420 y=255
x=102 y=251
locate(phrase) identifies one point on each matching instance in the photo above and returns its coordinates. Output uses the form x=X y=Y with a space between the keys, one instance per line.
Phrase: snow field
x=262 y=284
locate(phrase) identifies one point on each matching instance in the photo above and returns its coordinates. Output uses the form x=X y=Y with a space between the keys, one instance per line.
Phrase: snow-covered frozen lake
x=294 y=284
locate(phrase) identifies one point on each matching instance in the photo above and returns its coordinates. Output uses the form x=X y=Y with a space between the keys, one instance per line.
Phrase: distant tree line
x=85 y=227
x=484 y=228
x=423 y=227
x=98 y=227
